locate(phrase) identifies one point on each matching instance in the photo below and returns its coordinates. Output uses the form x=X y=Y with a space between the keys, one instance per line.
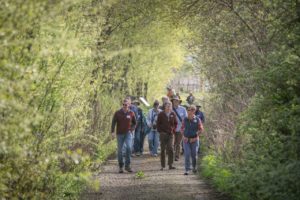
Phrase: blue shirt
x=134 y=109
x=152 y=117
x=182 y=113
x=200 y=115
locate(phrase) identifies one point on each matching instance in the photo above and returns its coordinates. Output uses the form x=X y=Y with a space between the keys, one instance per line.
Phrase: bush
x=212 y=168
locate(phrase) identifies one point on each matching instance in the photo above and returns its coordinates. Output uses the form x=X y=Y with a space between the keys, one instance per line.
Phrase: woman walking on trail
x=166 y=125
x=153 y=137
x=191 y=128
x=126 y=122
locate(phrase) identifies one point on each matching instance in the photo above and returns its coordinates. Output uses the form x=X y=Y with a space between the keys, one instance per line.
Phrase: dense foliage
x=65 y=65
x=249 y=52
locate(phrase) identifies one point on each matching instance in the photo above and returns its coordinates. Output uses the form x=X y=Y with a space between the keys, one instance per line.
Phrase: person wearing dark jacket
x=201 y=116
x=190 y=99
x=166 y=125
x=137 y=148
x=199 y=113
x=125 y=121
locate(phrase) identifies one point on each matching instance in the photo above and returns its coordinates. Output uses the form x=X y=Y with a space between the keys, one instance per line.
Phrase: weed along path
x=148 y=182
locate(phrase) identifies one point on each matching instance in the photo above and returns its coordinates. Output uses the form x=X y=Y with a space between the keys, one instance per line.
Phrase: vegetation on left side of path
x=65 y=65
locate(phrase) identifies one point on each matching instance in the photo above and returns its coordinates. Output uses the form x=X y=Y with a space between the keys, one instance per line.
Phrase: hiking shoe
x=186 y=173
x=121 y=170
x=128 y=169
x=194 y=170
x=155 y=155
x=137 y=154
x=162 y=169
x=172 y=167
x=176 y=159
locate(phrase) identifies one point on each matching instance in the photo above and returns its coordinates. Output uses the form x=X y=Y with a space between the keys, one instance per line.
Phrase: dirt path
x=156 y=184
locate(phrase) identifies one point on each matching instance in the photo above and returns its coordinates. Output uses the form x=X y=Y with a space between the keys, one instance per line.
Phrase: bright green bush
x=212 y=168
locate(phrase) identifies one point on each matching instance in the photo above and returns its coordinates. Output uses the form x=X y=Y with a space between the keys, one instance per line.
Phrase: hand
x=113 y=135
x=185 y=139
x=194 y=139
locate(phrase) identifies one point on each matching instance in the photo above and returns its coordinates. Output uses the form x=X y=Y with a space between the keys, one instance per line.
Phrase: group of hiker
x=169 y=125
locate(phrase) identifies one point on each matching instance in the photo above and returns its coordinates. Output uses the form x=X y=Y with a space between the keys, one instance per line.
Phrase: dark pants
x=137 y=140
x=166 y=144
x=143 y=135
x=177 y=144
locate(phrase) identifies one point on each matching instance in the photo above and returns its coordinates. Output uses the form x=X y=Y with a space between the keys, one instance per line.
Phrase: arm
x=113 y=123
x=182 y=128
x=185 y=114
x=175 y=121
x=203 y=118
x=159 y=119
x=148 y=119
x=142 y=120
x=200 y=127
x=133 y=121
x=182 y=132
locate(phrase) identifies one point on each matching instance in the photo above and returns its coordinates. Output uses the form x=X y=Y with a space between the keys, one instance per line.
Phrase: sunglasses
x=124 y=104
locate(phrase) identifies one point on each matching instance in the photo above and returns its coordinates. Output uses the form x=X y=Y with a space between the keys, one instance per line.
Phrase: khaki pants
x=177 y=144
x=166 y=144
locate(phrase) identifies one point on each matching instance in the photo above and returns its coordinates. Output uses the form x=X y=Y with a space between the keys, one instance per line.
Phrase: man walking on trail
x=199 y=113
x=126 y=122
x=170 y=92
x=180 y=115
x=191 y=128
x=134 y=109
x=153 y=137
x=166 y=125
x=190 y=99
x=138 y=130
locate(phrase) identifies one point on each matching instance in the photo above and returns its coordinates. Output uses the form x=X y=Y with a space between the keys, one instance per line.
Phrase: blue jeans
x=153 y=140
x=137 y=139
x=124 y=139
x=131 y=144
x=190 y=150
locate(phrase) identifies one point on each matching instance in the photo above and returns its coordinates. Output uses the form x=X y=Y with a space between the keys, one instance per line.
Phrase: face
x=126 y=105
x=191 y=112
x=168 y=107
x=128 y=100
x=176 y=103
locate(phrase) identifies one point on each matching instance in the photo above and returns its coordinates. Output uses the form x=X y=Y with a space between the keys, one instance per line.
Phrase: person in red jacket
x=166 y=125
x=126 y=122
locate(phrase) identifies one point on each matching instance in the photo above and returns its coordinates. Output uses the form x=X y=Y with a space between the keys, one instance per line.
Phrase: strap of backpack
x=177 y=114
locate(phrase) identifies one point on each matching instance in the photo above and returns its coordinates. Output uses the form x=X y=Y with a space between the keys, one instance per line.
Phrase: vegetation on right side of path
x=249 y=54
